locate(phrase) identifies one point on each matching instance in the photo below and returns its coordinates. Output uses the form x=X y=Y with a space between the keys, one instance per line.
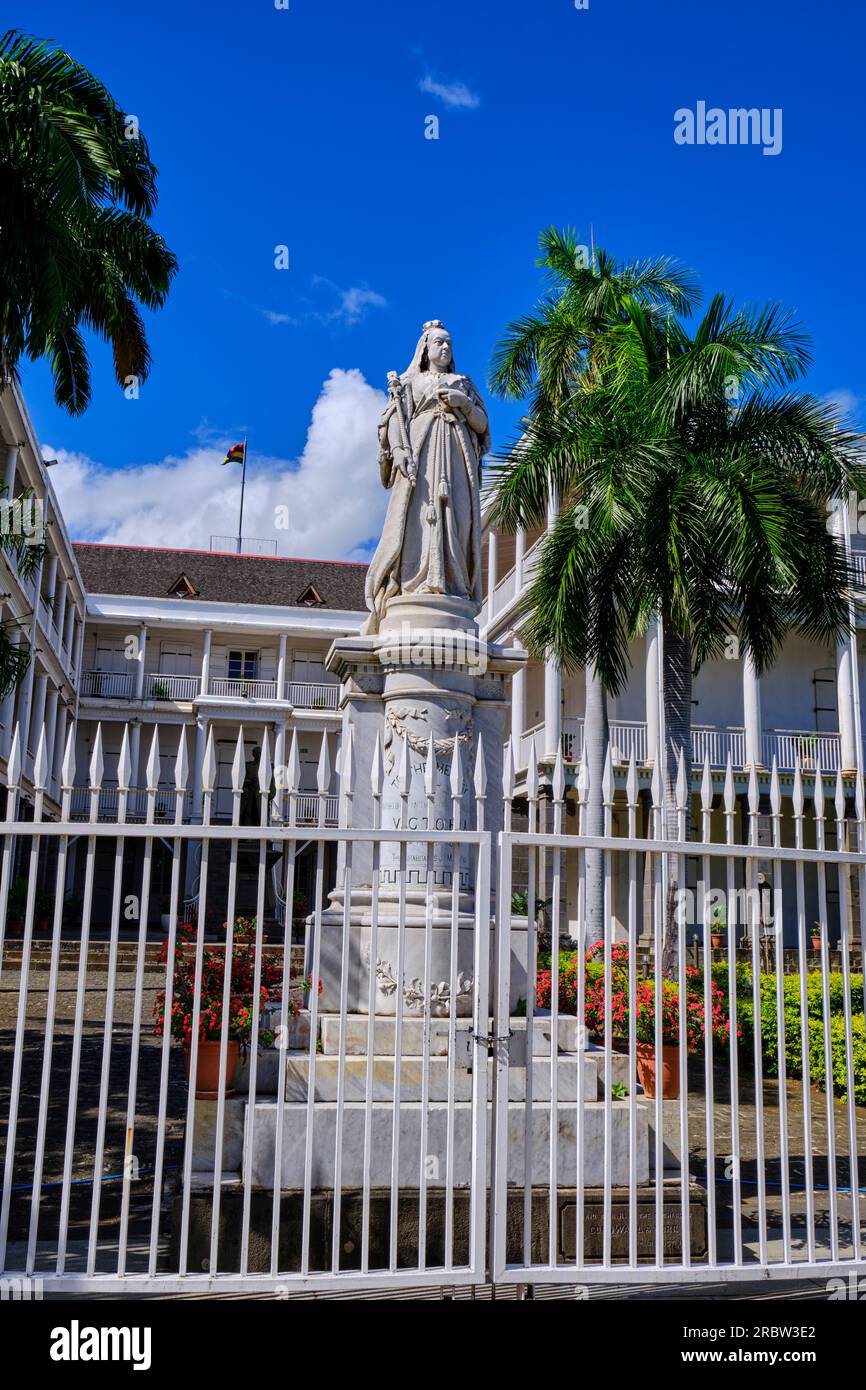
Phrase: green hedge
x=792 y=1016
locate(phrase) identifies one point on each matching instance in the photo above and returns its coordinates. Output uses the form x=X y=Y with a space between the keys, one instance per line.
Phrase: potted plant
x=239 y=1023
x=816 y=936
x=645 y=1028
x=717 y=925
x=43 y=910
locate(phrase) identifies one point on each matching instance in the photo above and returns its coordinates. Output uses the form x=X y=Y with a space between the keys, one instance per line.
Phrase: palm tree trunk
x=595 y=741
x=677 y=696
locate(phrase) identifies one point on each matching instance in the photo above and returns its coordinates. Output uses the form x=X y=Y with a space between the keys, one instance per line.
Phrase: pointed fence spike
x=859 y=799
x=480 y=774
x=682 y=785
x=239 y=763
x=347 y=762
x=631 y=782
x=775 y=790
x=840 y=796
x=559 y=776
x=293 y=772
x=607 y=778
x=323 y=771
x=430 y=767
x=124 y=762
x=456 y=778
x=67 y=771
x=154 y=762
x=376 y=767
x=656 y=785
x=13 y=766
x=508 y=772
x=265 y=768
x=181 y=762
x=818 y=796
x=40 y=764
x=404 y=774
x=209 y=764
x=706 y=784
x=754 y=795
x=97 y=766
x=532 y=772
x=797 y=799
x=728 y=797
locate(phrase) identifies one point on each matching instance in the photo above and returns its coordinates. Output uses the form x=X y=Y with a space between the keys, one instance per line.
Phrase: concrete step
x=327 y=1074
x=294 y=1168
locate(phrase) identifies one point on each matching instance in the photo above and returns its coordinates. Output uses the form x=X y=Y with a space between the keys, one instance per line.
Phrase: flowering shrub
x=595 y=998
x=241 y=982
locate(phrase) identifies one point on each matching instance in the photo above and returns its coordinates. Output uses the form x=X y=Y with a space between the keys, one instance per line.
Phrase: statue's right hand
x=402 y=460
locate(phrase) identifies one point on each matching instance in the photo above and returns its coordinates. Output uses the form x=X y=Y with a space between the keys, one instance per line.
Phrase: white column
x=518 y=706
x=491 y=571
x=79 y=648
x=139 y=668
x=69 y=626
x=281 y=671
x=845 y=705
x=519 y=552
x=652 y=691
x=752 y=713
x=8 y=714
x=9 y=467
x=51 y=584
x=205 y=662
x=50 y=732
x=60 y=605
x=37 y=711
x=552 y=707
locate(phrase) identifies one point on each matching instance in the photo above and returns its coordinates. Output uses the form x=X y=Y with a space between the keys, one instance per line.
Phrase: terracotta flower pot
x=816 y=943
x=646 y=1070
x=716 y=940
x=207 y=1071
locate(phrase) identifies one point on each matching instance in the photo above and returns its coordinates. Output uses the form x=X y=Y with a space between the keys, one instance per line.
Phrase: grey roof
x=218 y=577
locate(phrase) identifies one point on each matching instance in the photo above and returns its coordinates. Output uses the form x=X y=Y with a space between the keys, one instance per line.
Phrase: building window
x=243 y=666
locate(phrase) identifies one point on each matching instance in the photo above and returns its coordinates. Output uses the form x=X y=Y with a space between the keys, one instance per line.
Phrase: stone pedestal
x=424 y=673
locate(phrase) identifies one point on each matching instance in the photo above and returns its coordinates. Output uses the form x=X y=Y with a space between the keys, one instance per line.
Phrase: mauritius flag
x=235 y=454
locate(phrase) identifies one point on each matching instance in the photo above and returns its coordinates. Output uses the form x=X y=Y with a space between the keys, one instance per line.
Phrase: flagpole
x=241 y=515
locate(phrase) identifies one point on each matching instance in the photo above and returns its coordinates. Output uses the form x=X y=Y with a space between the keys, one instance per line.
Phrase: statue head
x=434 y=350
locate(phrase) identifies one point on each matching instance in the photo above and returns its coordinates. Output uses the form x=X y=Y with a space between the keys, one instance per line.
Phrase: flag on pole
x=236 y=454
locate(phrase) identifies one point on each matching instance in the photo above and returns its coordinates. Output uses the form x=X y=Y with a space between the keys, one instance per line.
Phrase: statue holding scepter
x=432 y=438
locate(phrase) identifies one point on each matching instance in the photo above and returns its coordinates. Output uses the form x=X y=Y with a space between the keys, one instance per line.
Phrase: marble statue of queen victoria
x=432 y=438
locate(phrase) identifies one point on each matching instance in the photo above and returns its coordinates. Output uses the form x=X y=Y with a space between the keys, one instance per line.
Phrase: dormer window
x=310 y=598
x=183 y=587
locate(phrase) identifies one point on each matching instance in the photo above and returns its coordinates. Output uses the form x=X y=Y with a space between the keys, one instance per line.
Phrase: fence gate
x=349 y=1147
x=627 y=1148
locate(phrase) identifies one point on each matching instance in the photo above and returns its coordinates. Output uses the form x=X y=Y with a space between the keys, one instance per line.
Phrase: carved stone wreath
x=395 y=725
x=413 y=992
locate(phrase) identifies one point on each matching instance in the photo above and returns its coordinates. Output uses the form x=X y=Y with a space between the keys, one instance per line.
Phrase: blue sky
x=305 y=127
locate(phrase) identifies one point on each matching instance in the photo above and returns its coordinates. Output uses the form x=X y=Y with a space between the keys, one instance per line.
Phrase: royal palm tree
x=702 y=481
x=546 y=358
x=77 y=252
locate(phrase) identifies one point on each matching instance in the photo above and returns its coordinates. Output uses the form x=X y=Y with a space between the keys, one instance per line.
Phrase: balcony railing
x=107 y=685
x=136 y=804
x=159 y=686
x=305 y=695
x=232 y=688
x=627 y=736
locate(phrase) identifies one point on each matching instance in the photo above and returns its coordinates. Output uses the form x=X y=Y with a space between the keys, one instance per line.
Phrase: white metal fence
x=457 y=1102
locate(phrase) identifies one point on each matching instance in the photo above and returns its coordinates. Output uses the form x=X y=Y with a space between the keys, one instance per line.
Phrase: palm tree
x=547 y=358
x=706 y=511
x=77 y=252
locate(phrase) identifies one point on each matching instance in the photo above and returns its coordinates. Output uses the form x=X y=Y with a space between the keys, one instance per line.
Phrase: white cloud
x=355 y=300
x=454 y=94
x=333 y=495
x=847 y=403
